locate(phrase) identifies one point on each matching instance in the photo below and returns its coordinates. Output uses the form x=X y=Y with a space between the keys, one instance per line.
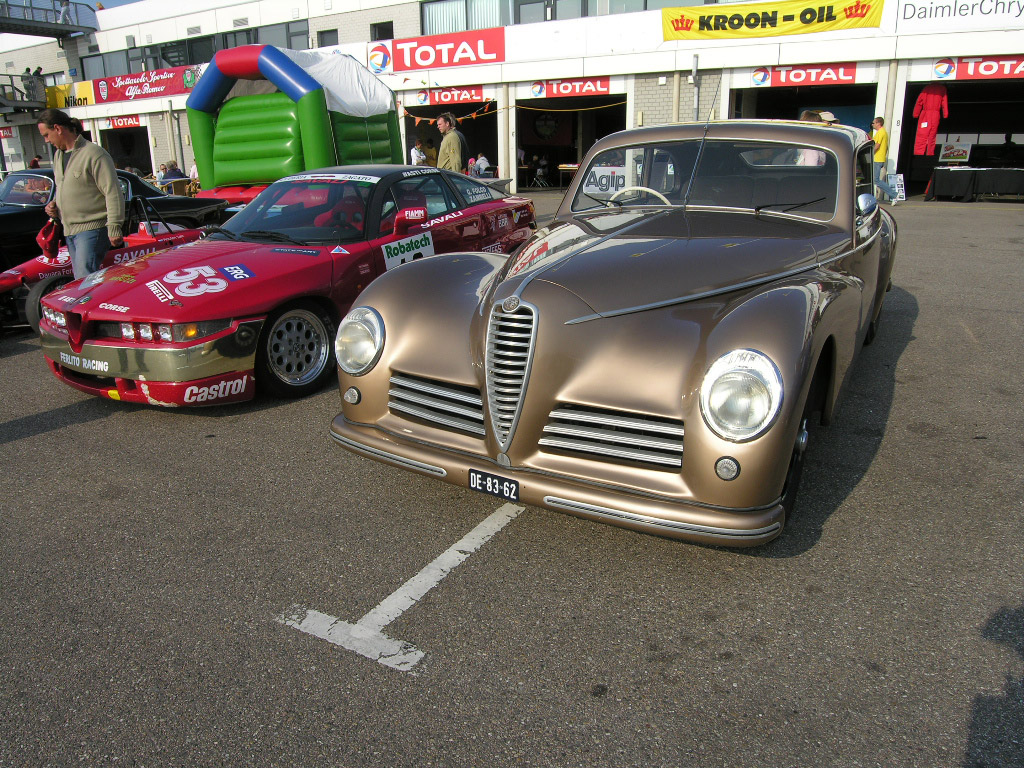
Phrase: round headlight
x=359 y=341
x=741 y=395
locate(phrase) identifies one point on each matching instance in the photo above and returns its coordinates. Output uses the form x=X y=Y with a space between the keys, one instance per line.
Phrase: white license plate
x=501 y=487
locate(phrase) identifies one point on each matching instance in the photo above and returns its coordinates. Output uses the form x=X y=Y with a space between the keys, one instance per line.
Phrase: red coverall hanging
x=930 y=103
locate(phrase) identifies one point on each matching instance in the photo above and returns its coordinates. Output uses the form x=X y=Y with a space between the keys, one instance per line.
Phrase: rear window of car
x=474 y=192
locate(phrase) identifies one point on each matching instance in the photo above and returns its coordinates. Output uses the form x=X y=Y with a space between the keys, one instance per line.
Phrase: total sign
x=812 y=74
x=979 y=68
x=461 y=49
x=580 y=86
x=458 y=95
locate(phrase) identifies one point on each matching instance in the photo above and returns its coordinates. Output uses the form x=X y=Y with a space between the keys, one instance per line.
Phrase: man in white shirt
x=416 y=155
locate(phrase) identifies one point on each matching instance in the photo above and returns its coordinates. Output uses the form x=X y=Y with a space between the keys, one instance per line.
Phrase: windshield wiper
x=792 y=206
x=606 y=203
x=213 y=229
x=269 y=234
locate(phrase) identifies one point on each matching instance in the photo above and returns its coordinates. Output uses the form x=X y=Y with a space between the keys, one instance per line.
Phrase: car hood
x=620 y=261
x=209 y=279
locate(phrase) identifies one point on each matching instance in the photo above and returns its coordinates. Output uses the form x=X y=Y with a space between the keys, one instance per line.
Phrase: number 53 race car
x=255 y=302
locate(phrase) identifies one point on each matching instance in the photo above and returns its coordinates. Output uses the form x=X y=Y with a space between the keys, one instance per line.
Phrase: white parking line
x=365 y=636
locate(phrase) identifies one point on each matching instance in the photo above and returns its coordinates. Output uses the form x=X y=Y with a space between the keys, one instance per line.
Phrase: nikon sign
x=731 y=22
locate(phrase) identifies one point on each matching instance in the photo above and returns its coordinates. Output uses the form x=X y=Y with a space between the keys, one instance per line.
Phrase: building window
x=382 y=30
x=530 y=11
x=294 y=35
x=609 y=7
x=201 y=49
x=92 y=67
x=235 y=39
x=443 y=16
x=326 y=38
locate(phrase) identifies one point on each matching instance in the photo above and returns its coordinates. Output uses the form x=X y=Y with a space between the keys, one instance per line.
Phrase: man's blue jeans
x=882 y=184
x=87 y=250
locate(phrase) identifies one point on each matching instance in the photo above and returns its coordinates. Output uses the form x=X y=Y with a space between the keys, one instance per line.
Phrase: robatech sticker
x=401 y=251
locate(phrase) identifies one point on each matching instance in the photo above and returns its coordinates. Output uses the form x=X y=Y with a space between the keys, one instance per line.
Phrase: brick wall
x=655 y=100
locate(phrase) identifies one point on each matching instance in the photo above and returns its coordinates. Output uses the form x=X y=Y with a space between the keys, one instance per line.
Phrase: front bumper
x=213 y=372
x=648 y=513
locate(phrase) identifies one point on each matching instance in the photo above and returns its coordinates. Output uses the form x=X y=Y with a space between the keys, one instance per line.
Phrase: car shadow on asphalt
x=840 y=454
x=91 y=409
x=17 y=341
x=993 y=737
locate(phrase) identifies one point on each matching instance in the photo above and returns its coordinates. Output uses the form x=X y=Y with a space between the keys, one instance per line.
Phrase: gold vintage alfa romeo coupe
x=652 y=358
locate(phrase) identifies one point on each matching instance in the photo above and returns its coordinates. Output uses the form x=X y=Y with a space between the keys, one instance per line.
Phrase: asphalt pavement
x=164 y=576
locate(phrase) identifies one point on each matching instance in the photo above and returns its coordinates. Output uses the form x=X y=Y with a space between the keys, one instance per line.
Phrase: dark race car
x=257 y=301
x=24 y=194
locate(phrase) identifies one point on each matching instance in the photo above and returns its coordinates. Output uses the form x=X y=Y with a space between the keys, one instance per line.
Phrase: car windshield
x=26 y=189
x=323 y=209
x=751 y=175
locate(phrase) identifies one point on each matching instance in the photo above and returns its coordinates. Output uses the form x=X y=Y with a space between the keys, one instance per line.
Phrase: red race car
x=255 y=302
x=22 y=287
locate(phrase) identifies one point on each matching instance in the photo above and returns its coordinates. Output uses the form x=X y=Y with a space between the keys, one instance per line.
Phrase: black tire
x=33 y=309
x=296 y=351
x=873 y=326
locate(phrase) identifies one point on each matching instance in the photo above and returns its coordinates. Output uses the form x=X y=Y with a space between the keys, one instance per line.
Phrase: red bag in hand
x=50 y=237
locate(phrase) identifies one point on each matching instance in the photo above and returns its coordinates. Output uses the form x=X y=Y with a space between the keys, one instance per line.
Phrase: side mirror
x=866 y=204
x=409 y=217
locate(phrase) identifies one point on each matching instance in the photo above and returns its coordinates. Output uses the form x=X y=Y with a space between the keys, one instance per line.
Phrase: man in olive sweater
x=89 y=202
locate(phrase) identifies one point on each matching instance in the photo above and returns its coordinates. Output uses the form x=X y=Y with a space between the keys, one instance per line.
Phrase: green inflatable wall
x=259 y=139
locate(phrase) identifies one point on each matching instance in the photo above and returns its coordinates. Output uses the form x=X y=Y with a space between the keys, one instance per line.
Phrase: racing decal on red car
x=407 y=249
x=195 y=281
x=236 y=272
x=299 y=251
x=160 y=291
x=212 y=392
x=114 y=307
x=443 y=219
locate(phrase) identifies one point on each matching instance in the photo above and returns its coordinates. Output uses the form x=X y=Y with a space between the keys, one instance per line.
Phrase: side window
x=416 y=192
x=473 y=191
x=865 y=170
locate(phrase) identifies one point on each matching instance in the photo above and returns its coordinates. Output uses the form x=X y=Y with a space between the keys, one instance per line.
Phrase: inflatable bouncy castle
x=259 y=113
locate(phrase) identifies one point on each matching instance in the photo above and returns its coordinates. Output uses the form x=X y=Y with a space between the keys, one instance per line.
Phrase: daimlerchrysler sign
x=930 y=16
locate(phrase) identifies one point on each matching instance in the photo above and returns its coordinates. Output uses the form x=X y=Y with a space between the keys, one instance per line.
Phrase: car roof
x=49 y=172
x=381 y=171
x=837 y=137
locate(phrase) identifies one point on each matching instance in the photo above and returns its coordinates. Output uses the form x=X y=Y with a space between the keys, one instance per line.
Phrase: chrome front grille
x=510 y=339
x=615 y=435
x=441 y=403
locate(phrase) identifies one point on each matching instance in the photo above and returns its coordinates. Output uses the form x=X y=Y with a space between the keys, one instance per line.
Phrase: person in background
x=881 y=138
x=161 y=171
x=431 y=153
x=173 y=172
x=480 y=166
x=449 y=158
x=416 y=155
x=88 y=203
x=34 y=162
x=65 y=11
x=193 y=172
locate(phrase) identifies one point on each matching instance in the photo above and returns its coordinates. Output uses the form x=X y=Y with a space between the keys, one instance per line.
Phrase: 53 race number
x=188 y=283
